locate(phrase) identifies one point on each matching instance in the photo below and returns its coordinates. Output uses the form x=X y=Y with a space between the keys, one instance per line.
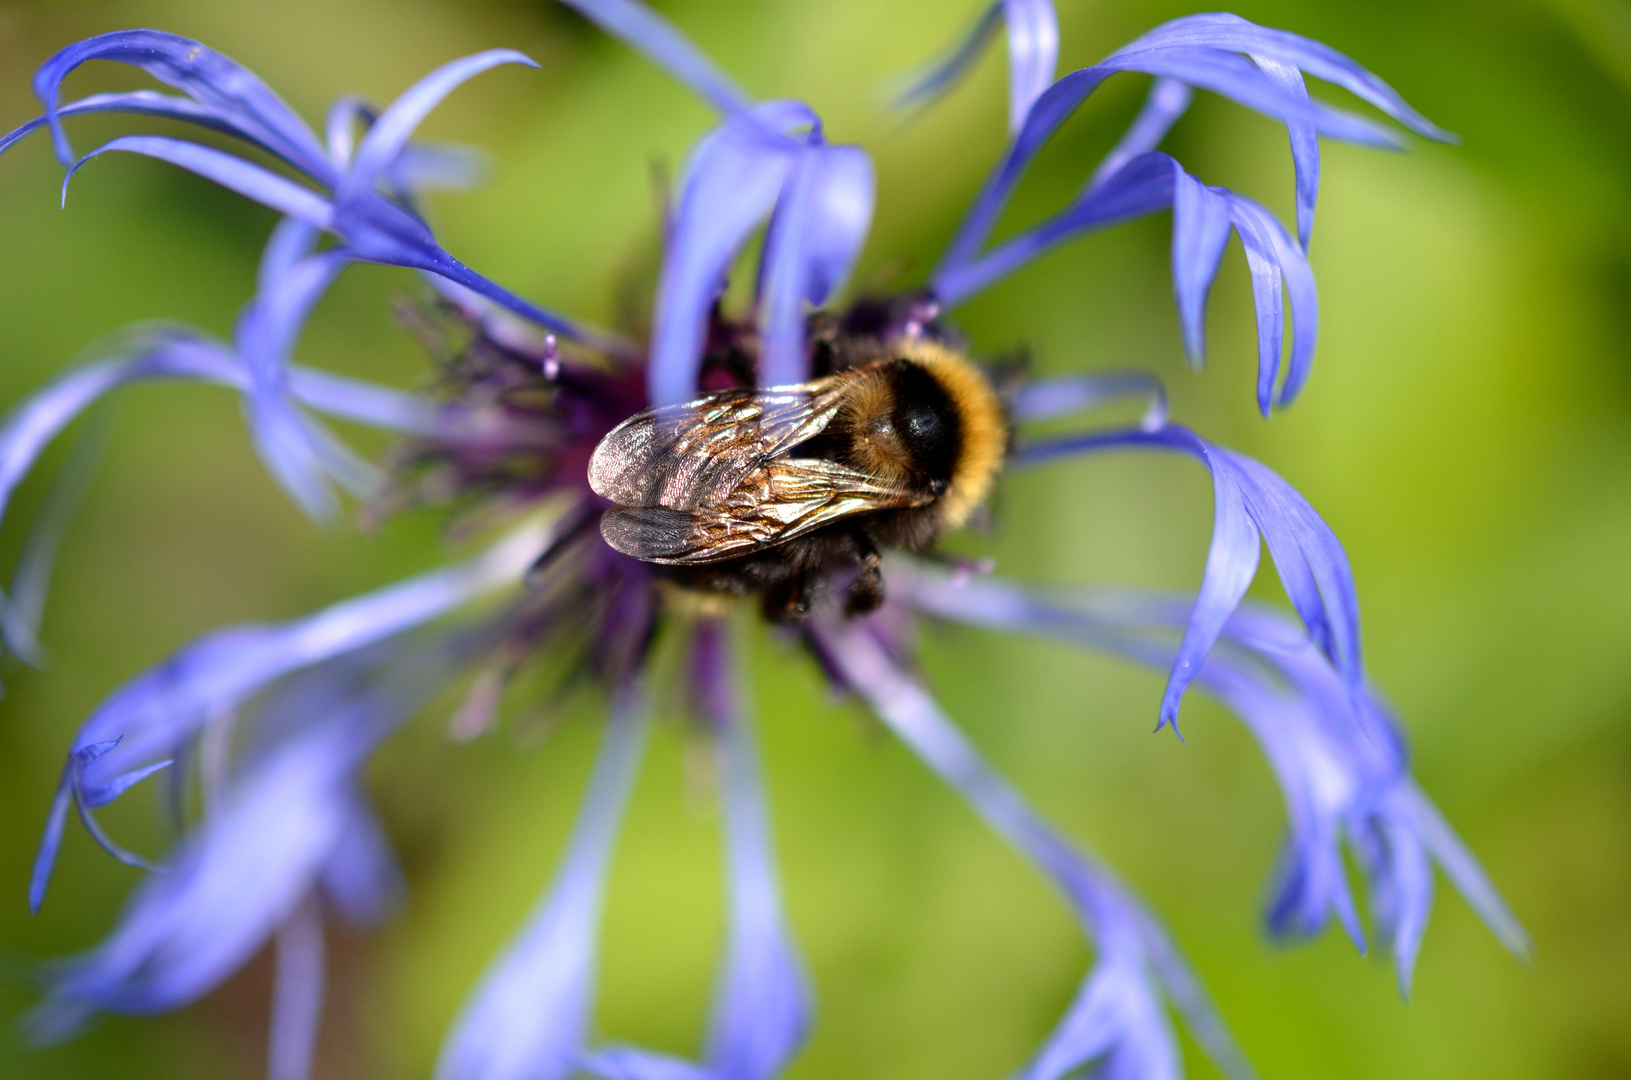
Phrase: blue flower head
x=275 y=723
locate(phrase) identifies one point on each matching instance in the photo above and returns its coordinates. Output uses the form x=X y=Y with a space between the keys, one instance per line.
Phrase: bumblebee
x=769 y=491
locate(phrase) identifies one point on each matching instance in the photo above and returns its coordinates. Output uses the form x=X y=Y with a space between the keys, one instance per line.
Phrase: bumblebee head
x=968 y=428
x=925 y=415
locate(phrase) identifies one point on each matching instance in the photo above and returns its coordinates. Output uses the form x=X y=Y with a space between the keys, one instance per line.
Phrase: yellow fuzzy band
x=984 y=427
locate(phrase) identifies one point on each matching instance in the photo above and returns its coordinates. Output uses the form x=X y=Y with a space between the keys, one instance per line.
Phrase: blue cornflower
x=277 y=722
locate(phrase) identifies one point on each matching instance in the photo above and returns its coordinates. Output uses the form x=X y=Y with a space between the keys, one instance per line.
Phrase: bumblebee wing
x=691 y=456
x=780 y=501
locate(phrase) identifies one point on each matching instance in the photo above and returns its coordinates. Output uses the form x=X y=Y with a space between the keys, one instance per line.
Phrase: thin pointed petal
x=1251 y=501
x=1142 y=186
x=1115 y=1018
x=1200 y=228
x=937 y=78
x=292 y=240
x=135 y=102
x=1266 y=297
x=362 y=402
x=1231 y=563
x=732 y=181
x=1167 y=101
x=634 y=1063
x=1305 y=147
x=761 y=1010
x=231 y=884
x=1050 y=399
x=30 y=426
x=527 y=1020
x=815 y=236
x=1033 y=54
x=20 y=620
x=232 y=92
x=1337 y=754
x=340 y=128
x=422 y=167
x=390 y=133
x=295 y=452
x=664 y=45
x=1311 y=563
x=361 y=875
x=45 y=859
x=233 y=173
x=1235 y=34
x=1462 y=868
x=1224 y=73
x=297 y=994
x=167 y=704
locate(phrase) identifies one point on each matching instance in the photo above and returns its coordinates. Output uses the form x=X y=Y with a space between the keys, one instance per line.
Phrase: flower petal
x=527 y=1020
x=937 y=77
x=1050 y=399
x=169 y=353
x=1233 y=33
x=363 y=402
x=1305 y=147
x=233 y=173
x=138 y=102
x=1142 y=186
x=389 y=134
x=422 y=167
x=260 y=850
x=1033 y=54
x=1338 y=755
x=32 y=424
x=731 y=182
x=227 y=890
x=1249 y=498
x=1299 y=282
x=163 y=707
x=1202 y=216
x=762 y=1009
x=361 y=875
x=142 y=722
x=1200 y=228
x=1462 y=868
x=45 y=859
x=1115 y=1018
x=1167 y=101
x=375 y=229
x=1115 y=1021
x=1267 y=297
x=266 y=332
x=297 y=994
x=663 y=44
x=1225 y=73
x=20 y=614
x=1310 y=561
x=633 y=1063
x=815 y=236
x=242 y=103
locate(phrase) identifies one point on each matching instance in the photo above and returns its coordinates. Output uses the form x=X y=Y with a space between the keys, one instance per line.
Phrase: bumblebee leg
x=866 y=591
x=788 y=601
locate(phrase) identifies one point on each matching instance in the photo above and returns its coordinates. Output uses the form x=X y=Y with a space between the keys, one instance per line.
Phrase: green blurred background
x=1465 y=432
